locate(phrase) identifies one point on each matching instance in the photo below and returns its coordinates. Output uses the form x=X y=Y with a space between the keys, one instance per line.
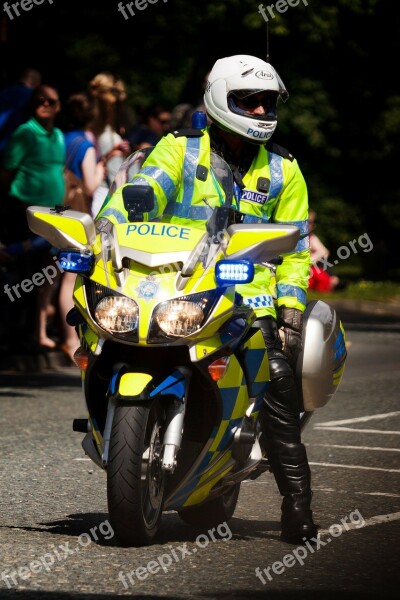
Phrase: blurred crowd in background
x=49 y=148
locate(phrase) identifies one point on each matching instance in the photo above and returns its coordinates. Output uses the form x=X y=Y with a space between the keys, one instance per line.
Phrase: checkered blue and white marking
x=261 y=301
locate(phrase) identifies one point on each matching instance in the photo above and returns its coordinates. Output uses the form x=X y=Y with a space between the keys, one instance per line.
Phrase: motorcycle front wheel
x=135 y=480
x=214 y=512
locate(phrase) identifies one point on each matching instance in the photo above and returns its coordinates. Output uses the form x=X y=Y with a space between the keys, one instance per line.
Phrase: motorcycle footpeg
x=80 y=425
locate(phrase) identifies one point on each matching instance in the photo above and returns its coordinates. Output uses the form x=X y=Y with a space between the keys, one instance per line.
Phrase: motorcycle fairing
x=235 y=401
x=91 y=338
x=174 y=385
x=165 y=286
x=256 y=365
x=211 y=464
x=137 y=241
x=215 y=462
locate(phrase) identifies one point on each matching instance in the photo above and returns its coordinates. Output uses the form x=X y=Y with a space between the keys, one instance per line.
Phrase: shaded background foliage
x=337 y=58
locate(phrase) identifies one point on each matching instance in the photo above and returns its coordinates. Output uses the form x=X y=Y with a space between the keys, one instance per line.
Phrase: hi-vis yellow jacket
x=178 y=170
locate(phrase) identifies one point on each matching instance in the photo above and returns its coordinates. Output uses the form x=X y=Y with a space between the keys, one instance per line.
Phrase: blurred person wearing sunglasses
x=32 y=165
x=155 y=123
x=240 y=98
x=32 y=174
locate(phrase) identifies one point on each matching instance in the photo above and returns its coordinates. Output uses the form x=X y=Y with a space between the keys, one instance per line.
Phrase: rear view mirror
x=138 y=199
x=259 y=242
x=63 y=228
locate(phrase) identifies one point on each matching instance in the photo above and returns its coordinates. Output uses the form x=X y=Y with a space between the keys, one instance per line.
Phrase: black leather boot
x=288 y=460
x=281 y=438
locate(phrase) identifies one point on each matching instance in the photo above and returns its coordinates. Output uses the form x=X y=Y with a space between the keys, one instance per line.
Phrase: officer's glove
x=290 y=326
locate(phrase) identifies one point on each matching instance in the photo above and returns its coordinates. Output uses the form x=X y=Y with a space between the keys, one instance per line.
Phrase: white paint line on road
x=361 y=419
x=318 y=464
x=380 y=431
x=317 y=489
x=376 y=448
x=378 y=494
x=82 y=459
x=330 y=490
x=377 y=520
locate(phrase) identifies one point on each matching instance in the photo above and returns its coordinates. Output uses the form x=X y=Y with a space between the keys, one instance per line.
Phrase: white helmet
x=238 y=77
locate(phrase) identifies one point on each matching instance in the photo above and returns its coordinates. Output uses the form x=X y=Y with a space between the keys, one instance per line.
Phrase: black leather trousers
x=280 y=421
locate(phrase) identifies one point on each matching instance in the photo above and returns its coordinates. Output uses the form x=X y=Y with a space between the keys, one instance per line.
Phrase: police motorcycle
x=173 y=371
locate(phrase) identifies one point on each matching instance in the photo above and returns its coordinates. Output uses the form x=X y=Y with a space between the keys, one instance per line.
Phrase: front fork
x=173 y=434
x=112 y=404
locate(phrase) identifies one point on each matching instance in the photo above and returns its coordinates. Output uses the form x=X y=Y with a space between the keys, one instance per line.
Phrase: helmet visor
x=246 y=105
x=283 y=93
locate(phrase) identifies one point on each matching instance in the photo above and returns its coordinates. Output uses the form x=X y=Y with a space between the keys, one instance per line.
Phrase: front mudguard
x=127 y=388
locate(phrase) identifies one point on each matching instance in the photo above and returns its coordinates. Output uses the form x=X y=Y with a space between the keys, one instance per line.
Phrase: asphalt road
x=56 y=542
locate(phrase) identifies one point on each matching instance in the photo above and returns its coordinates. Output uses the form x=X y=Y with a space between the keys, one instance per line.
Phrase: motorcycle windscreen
x=129 y=168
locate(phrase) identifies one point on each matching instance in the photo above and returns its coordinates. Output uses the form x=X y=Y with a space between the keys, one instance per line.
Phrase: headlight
x=182 y=316
x=117 y=314
x=179 y=317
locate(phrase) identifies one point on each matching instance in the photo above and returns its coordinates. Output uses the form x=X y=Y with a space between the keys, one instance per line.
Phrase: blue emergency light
x=74 y=261
x=229 y=272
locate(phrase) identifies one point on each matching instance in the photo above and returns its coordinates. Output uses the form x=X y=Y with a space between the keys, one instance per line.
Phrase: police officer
x=241 y=99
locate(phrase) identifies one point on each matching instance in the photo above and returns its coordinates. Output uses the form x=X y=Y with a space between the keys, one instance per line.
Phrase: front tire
x=213 y=513
x=135 y=481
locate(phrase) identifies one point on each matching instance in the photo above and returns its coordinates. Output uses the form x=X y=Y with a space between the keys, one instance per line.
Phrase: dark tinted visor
x=246 y=105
